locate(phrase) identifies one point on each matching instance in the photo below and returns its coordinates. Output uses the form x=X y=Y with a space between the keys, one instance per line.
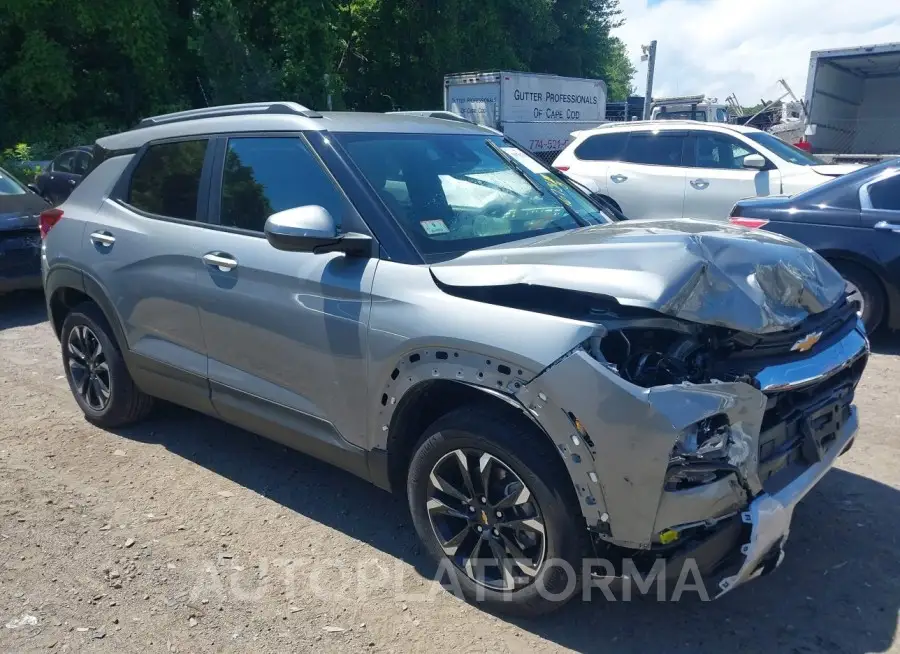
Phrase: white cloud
x=719 y=47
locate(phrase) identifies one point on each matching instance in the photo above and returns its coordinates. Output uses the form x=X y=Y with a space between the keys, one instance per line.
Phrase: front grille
x=799 y=424
x=834 y=324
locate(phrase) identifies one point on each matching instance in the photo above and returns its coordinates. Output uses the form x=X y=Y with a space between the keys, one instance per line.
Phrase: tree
x=75 y=69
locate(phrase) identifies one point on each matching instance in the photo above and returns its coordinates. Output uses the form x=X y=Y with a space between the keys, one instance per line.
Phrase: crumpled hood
x=706 y=272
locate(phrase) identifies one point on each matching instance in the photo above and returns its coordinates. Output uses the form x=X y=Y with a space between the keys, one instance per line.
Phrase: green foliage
x=17 y=161
x=75 y=69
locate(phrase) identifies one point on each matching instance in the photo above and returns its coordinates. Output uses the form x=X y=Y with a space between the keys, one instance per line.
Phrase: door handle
x=221 y=260
x=699 y=184
x=618 y=179
x=72 y=182
x=885 y=226
x=103 y=238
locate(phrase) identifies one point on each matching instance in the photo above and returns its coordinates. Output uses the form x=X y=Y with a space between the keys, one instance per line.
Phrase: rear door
x=60 y=178
x=880 y=202
x=648 y=181
x=144 y=248
x=716 y=177
x=286 y=332
x=590 y=160
x=80 y=166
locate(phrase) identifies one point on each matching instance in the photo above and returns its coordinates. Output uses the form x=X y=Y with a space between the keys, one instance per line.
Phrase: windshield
x=452 y=193
x=784 y=150
x=9 y=185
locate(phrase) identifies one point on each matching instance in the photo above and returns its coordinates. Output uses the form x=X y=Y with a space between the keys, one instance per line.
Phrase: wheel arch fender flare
x=63 y=278
x=501 y=381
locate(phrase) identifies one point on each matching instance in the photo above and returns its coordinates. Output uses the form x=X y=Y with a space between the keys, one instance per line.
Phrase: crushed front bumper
x=769 y=515
x=617 y=440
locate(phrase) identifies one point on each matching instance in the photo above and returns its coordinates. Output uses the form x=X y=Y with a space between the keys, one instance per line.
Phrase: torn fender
x=630 y=433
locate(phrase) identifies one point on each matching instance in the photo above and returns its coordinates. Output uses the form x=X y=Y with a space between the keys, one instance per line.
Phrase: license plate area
x=821 y=429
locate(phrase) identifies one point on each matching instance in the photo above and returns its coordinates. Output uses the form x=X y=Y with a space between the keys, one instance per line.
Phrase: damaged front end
x=716 y=390
x=692 y=441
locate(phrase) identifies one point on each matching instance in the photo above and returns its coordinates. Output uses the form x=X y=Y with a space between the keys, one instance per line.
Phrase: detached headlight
x=706 y=451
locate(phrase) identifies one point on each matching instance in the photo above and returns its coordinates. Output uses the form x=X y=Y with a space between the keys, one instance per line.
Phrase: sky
x=720 y=47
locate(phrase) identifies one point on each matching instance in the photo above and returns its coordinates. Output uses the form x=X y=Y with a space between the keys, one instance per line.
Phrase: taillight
x=561 y=169
x=49 y=218
x=803 y=144
x=752 y=223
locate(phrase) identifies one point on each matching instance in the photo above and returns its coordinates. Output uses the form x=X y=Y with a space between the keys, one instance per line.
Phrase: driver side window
x=719 y=151
x=63 y=163
x=266 y=175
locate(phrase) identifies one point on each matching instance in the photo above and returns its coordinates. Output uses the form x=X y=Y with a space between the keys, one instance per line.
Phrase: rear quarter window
x=602 y=147
x=166 y=181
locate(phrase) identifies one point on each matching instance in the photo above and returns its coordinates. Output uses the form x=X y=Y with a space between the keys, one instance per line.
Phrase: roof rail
x=231 y=110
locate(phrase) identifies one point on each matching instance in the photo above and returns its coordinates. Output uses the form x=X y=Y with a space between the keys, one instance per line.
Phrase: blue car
x=20 y=238
x=853 y=222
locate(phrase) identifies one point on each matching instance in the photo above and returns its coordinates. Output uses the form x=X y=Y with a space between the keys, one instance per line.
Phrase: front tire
x=96 y=372
x=493 y=503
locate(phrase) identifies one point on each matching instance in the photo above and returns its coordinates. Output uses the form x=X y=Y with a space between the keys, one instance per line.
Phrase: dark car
x=58 y=179
x=854 y=223
x=20 y=238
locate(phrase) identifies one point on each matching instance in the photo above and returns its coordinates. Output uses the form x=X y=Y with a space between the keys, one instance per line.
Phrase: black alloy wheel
x=486 y=520
x=88 y=367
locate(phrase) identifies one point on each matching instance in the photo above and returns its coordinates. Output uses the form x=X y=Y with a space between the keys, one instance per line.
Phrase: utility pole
x=649 y=55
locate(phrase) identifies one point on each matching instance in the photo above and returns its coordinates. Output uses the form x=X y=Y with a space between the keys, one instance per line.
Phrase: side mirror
x=755 y=161
x=312 y=229
x=33 y=189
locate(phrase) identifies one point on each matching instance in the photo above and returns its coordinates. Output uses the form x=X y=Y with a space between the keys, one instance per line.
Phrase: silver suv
x=424 y=304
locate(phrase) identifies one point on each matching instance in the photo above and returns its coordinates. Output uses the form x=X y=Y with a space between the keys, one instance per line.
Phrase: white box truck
x=853 y=102
x=538 y=111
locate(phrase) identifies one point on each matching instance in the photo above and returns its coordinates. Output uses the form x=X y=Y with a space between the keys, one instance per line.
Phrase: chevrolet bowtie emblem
x=484 y=519
x=806 y=343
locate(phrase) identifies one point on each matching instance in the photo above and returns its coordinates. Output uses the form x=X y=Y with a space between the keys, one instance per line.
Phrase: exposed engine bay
x=657 y=352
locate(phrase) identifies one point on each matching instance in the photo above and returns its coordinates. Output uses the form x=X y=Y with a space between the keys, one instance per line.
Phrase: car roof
x=278 y=117
x=77 y=148
x=351 y=121
x=664 y=125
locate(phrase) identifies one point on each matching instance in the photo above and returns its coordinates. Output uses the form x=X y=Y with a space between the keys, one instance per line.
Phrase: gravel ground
x=187 y=535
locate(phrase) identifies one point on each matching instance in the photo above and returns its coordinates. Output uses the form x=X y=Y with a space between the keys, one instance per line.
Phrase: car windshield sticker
x=433 y=227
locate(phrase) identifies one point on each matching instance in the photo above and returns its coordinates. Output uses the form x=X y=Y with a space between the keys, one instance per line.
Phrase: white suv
x=674 y=169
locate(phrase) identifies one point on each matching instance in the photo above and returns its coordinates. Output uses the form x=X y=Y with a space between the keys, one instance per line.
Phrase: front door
x=285 y=331
x=716 y=177
x=649 y=180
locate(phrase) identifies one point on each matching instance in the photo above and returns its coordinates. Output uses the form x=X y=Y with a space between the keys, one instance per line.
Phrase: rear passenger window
x=605 y=147
x=659 y=149
x=885 y=195
x=265 y=175
x=166 y=180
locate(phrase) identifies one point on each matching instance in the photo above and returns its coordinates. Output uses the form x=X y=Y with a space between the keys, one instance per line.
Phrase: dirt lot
x=188 y=535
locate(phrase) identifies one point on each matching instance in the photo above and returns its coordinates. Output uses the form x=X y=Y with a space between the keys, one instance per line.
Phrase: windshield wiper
x=515 y=165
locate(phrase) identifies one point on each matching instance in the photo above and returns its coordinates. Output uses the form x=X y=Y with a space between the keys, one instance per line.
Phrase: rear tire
x=867 y=289
x=538 y=574
x=96 y=371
